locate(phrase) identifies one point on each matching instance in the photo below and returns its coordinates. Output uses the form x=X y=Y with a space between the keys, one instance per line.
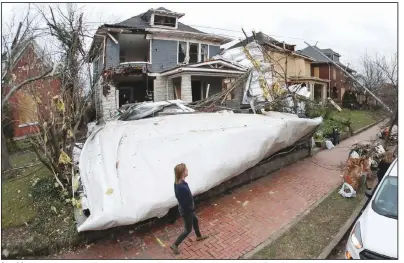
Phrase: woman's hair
x=179 y=170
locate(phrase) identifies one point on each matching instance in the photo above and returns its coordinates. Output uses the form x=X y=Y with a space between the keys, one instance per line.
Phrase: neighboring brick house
x=29 y=62
x=324 y=69
x=153 y=56
x=285 y=59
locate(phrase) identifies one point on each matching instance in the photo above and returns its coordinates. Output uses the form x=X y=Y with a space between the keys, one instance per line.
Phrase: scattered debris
x=329 y=145
x=354 y=155
x=347 y=191
x=160 y=242
x=143 y=110
x=246 y=203
x=334 y=104
x=6 y=253
x=109 y=191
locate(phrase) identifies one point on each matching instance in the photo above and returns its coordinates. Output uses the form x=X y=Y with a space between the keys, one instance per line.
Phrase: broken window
x=193 y=52
x=164 y=21
x=182 y=51
x=204 y=53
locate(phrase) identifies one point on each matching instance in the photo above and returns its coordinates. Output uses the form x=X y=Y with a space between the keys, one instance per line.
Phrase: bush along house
x=154 y=57
x=324 y=69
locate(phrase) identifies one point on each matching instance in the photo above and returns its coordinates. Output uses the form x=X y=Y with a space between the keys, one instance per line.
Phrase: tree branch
x=22 y=84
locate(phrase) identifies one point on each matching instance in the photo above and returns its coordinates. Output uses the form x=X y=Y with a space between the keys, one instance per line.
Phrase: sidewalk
x=240 y=221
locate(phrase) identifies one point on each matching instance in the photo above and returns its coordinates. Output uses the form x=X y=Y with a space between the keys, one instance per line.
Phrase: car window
x=385 y=202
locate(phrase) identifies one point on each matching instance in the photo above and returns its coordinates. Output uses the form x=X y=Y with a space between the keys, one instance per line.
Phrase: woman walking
x=186 y=207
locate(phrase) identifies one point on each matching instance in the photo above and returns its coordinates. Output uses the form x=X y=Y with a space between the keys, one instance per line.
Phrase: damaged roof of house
x=138 y=22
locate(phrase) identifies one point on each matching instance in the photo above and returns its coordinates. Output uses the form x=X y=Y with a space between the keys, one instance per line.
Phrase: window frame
x=199 y=49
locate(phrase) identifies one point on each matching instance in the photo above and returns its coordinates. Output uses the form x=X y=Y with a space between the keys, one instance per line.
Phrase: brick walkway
x=240 y=221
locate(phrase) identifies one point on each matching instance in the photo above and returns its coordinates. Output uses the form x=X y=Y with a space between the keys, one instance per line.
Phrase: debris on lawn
x=347 y=191
x=329 y=145
x=334 y=104
x=363 y=160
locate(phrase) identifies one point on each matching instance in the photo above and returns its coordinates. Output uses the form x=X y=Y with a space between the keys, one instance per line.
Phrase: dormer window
x=168 y=21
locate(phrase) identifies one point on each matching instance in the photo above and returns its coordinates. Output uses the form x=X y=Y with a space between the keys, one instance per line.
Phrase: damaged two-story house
x=154 y=57
x=289 y=66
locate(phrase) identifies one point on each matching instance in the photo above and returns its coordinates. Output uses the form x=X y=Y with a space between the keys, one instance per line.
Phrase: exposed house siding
x=112 y=54
x=296 y=66
x=164 y=55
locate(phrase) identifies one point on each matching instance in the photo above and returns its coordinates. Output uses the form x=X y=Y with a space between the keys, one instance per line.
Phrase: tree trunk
x=5 y=158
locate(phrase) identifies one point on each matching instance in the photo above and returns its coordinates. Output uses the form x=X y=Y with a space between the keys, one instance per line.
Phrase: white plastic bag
x=347 y=191
x=329 y=145
x=354 y=155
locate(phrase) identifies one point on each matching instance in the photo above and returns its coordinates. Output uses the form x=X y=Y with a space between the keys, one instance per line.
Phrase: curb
x=337 y=238
x=285 y=228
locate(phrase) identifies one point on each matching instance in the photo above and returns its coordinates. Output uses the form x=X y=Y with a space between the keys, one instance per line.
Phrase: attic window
x=164 y=21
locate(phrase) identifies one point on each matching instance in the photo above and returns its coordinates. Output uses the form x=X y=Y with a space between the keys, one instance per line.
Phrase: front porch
x=196 y=81
x=317 y=87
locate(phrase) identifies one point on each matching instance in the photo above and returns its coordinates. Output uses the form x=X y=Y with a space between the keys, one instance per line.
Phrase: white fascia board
x=178 y=70
x=112 y=37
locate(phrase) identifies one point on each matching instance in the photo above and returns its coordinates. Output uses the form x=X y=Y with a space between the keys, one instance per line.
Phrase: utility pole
x=352 y=77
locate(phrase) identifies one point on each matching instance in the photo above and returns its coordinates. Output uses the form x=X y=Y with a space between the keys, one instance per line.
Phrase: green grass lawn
x=17 y=204
x=358 y=118
x=307 y=238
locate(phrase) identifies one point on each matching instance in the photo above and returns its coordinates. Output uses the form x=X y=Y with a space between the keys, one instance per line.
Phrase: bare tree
x=15 y=39
x=389 y=68
x=370 y=76
x=59 y=127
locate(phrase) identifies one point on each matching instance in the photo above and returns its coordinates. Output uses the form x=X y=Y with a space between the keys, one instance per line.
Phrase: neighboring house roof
x=319 y=59
x=138 y=22
x=329 y=51
x=20 y=50
x=311 y=52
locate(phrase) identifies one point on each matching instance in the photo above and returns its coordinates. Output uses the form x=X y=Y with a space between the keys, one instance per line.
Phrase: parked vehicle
x=375 y=233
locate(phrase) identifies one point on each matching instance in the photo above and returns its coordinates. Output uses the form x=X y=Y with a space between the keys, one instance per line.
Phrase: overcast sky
x=350 y=29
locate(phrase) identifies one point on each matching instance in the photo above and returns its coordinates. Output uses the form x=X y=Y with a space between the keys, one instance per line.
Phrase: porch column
x=186 y=88
x=163 y=89
x=324 y=93
x=109 y=103
x=311 y=89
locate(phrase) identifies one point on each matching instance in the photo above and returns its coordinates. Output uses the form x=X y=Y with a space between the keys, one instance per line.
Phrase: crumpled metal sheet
x=143 y=110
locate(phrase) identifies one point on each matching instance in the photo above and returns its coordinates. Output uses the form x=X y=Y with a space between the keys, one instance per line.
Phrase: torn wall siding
x=251 y=56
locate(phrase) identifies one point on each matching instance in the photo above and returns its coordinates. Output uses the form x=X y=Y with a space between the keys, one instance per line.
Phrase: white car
x=375 y=234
